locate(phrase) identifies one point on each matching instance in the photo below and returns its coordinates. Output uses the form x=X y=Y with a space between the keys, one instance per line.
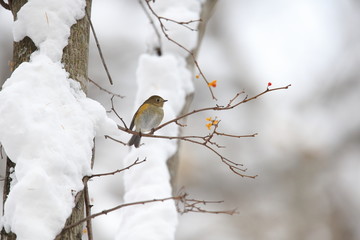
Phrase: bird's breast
x=149 y=117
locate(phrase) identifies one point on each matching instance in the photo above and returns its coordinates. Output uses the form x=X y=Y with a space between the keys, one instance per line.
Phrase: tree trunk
x=9 y=169
x=21 y=53
x=75 y=59
x=76 y=53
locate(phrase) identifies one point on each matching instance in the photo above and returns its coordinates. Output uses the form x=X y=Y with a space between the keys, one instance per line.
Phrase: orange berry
x=212 y=84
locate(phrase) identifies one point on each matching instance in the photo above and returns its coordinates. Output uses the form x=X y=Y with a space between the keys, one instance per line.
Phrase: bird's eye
x=158 y=99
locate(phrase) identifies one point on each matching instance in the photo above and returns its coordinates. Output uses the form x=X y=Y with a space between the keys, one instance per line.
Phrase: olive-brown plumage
x=148 y=116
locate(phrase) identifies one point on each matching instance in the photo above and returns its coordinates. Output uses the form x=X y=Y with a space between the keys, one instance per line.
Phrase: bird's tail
x=135 y=140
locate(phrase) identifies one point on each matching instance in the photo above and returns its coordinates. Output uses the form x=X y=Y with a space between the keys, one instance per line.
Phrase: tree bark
x=9 y=169
x=75 y=60
x=21 y=53
x=76 y=53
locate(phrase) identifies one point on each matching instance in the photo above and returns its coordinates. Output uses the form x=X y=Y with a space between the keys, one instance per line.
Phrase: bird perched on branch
x=147 y=117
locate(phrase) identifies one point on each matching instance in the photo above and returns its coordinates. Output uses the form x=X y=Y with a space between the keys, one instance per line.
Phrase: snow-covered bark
x=47 y=124
x=168 y=76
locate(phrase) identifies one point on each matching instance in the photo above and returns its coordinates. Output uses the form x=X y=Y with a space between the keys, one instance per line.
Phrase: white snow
x=168 y=77
x=181 y=11
x=47 y=125
x=47 y=23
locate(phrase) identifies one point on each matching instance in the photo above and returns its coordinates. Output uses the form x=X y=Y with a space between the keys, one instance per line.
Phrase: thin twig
x=221 y=108
x=105 y=212
x=234 y=136
x=190 y=205
x=235 y=97
x=99 y=49
x=88 y=211
x=235 y=167
x=113 y=109
x=164 y=31
x=105 y=90
x=154 y=27
x=182 y=23
x=206 y=141
x=118 y=141
x=136 y=162
x=194 y=205
x=87 y=201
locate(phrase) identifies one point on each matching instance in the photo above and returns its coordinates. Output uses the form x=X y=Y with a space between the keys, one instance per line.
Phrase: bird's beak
x=165 y=100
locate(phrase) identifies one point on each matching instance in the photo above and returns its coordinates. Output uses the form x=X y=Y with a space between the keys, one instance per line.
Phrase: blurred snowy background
x=307 y=152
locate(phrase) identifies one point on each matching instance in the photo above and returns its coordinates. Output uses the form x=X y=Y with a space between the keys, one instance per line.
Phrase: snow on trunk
x=47 y=124
x=167 y=76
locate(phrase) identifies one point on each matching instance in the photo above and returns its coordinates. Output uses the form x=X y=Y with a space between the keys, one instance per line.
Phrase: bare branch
x=189 y=205
x=194 y=205
x=233 y=99
x=182 y=23
x=185 y=24
x=136 y=162
x=266 y=91
x=221 y=108
x=116 y=140
x=114 y=110
x=181 y=125
x=206 y=140
x=88 y=211
x=235 y=136
x=154 y=27
x=99 y=49
x=105 y=90
x=235 y=167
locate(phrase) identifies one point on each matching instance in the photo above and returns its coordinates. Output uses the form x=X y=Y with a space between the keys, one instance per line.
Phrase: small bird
x=147 y=117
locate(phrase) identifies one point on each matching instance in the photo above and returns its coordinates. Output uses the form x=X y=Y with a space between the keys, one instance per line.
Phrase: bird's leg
x=152 y=131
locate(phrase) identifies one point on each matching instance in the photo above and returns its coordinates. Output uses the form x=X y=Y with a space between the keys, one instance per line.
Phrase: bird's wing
x=139 y=111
